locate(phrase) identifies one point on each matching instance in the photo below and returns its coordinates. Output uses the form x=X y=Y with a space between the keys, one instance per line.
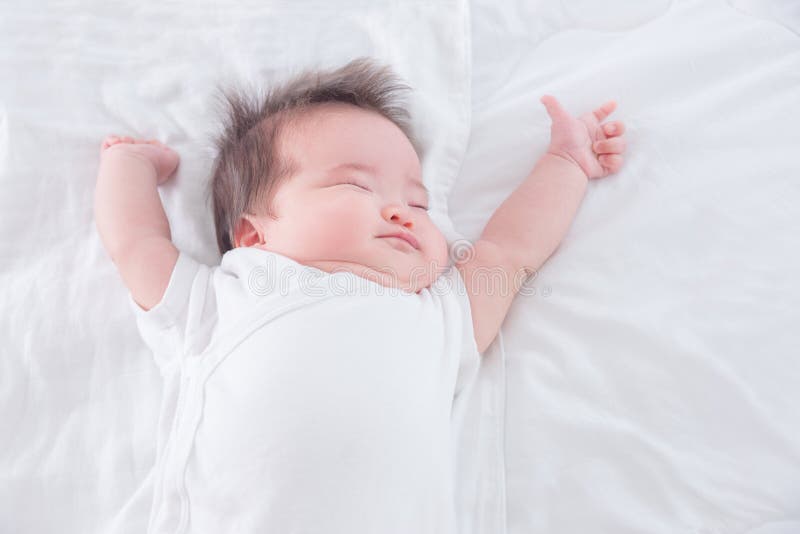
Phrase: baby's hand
x=164 y=159
x=597 y=149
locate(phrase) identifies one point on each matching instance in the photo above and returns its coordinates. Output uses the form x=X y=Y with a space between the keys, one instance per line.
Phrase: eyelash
x=367 y=189
x=357 y=185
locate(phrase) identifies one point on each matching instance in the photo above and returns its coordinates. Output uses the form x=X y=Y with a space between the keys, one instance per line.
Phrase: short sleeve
x=453 y=291
x=181 y=321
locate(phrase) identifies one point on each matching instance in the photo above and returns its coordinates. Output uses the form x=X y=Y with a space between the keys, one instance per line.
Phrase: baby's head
x=320 y=169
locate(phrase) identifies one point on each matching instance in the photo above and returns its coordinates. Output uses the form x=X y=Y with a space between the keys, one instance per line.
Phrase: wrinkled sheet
x=652 y=379
x=79 y=391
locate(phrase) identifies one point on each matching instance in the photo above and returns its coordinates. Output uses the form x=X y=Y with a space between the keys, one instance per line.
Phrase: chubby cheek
x=436 y=246
x=335 y=225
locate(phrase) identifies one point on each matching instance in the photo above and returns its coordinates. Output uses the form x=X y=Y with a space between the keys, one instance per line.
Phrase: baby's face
x=325 y=222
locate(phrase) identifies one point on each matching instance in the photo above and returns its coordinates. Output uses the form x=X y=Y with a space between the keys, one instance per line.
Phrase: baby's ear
x=248 y=232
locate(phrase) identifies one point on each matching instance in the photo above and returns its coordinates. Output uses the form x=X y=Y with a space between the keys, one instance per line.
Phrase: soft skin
x=331 y=225
x=332 y=217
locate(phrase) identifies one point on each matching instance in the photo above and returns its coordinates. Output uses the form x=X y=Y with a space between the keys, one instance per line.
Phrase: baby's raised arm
x=130 y=218
x=529 y=225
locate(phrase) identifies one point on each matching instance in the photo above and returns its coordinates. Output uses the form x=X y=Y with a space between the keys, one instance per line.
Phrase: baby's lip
x=408 y=237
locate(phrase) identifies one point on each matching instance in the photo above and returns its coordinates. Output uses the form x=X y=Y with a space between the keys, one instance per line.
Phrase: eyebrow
x=371 y=170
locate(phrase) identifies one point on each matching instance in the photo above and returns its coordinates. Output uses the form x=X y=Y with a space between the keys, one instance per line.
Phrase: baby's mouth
x=399 y=243
x=403 y=236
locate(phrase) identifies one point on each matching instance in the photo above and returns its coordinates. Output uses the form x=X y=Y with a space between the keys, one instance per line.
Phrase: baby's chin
x=408 y=276
x=414 y=277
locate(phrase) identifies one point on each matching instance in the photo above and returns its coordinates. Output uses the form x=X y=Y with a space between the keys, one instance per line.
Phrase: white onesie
x=300 y=401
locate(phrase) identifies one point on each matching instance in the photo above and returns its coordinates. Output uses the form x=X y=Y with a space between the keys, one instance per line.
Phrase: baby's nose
x=397 y=213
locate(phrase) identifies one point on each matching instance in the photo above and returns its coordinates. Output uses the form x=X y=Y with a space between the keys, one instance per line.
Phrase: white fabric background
x=653 y=377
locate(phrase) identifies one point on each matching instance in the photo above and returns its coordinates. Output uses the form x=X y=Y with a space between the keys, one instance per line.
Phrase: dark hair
x=250 y=165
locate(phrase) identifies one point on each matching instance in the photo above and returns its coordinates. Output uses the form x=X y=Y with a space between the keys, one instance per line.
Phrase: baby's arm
x=529 y=225
x=130 y=218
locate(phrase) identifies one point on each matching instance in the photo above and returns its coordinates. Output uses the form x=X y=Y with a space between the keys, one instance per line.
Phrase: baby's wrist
x=128 y=157
x=566 y=161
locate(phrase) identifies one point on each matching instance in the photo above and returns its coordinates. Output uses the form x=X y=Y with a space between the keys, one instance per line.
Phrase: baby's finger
x=610 y=162
x=612 y=145
x=614 y=128
x=605 y=110
x=554 y=108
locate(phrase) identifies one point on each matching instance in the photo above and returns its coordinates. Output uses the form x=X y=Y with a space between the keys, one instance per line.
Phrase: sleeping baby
x=311 y=379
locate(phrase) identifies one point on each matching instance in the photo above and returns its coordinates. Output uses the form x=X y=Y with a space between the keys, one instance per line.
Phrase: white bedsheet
x=652 y=380
x=650 y=385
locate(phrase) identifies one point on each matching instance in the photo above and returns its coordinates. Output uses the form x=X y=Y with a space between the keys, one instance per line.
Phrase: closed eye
x=357 y=185
x=368 y=189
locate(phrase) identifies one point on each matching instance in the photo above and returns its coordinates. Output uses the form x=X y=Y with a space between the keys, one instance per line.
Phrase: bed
x=647 y=381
